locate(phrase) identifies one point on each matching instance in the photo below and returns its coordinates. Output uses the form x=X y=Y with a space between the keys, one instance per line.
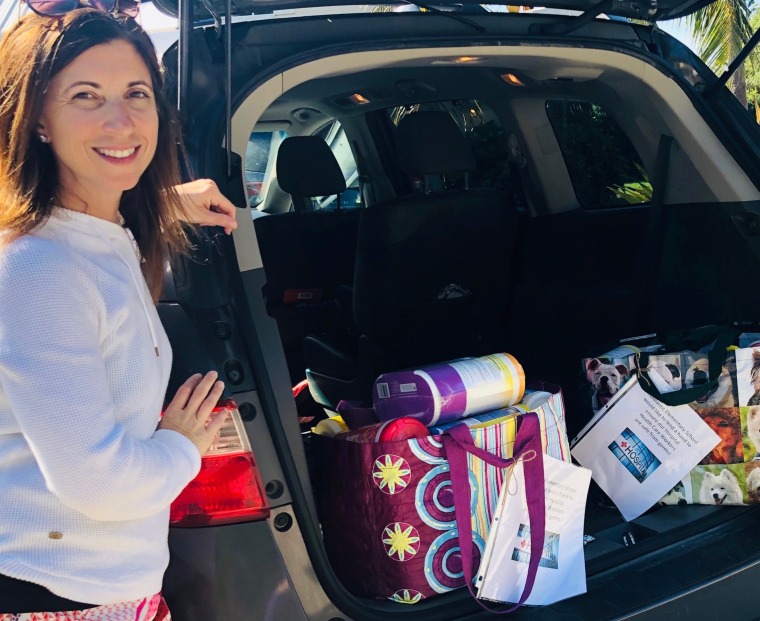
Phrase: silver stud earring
x=44 y=139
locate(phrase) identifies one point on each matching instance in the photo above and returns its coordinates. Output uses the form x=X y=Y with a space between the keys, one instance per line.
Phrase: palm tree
x=721 y=30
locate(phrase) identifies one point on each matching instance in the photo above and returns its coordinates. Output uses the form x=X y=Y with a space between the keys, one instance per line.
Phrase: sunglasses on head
x=57 y=8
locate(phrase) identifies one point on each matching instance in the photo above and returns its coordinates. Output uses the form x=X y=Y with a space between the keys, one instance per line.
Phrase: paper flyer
x=640 y=448
x=561 y=572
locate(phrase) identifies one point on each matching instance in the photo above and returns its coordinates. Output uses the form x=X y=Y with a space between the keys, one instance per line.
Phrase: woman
x=87 y=472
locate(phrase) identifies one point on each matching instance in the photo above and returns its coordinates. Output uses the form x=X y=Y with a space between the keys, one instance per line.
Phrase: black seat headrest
x=430 y=143
x=306 y=166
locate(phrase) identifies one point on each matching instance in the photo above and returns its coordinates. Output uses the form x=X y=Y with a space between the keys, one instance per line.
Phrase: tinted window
x=261 y=159
x=483 y=133
x=604 y=168
x=335 y=137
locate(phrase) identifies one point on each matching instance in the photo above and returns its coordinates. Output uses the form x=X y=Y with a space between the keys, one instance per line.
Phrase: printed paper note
x=561 y=571
x=640 y=448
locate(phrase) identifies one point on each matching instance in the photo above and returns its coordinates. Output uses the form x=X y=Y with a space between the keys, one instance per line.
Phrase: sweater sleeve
x=53 y=377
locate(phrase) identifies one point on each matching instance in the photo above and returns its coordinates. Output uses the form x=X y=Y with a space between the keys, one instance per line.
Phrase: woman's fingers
x=191 y=411
x=184 y=392
x=206 y=205
x=209 y=403
x=201 y=391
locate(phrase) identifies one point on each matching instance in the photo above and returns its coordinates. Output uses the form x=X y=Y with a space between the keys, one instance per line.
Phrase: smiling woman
x=88 y=466
x=69 y=56
x=102 y=124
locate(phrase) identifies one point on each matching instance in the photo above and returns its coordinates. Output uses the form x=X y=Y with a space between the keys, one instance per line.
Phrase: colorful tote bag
x=389 y=510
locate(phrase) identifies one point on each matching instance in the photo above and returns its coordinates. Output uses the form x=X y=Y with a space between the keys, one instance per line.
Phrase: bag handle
x=458 y=442
x=723 y=337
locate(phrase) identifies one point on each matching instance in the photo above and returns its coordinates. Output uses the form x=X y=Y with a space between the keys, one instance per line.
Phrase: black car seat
x=308 y=254
x=433 y=270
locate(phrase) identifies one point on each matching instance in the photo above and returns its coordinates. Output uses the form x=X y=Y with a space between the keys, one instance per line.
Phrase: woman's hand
x=206 y=205
x=191 y=411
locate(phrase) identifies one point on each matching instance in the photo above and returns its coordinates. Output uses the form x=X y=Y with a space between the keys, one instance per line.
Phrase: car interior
x=545 y=254
x=422 y=204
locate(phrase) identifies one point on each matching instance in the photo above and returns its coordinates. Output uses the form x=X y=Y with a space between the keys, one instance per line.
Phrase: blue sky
x=678 y=29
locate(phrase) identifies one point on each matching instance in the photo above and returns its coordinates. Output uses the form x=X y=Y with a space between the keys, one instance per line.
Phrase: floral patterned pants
x=147 y=609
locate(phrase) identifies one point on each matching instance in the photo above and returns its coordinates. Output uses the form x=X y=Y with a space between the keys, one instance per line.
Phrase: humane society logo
x=634 y=455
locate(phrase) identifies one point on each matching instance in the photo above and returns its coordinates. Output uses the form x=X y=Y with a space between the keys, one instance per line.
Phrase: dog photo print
x=727 y=423
x=719 y=485
x=670 y=367
x=724 y=393
x=751 y=432
x=752 y=473
x=607 y=374
x=680 y=493
x=748 y=375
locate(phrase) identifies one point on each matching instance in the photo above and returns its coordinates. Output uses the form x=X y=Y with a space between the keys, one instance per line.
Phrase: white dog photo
x=670 y=367
x=720 y=489
x=605 y=379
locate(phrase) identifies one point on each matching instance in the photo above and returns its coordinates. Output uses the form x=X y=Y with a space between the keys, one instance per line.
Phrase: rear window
x=604 y=167
x=261 y=166
x=260 y=158
x=483 y=132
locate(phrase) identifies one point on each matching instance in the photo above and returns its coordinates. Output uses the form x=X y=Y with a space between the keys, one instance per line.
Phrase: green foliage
x=721 y=29
x=752 y=64
x=490 y=148
x=636 y=192
x=600 y=159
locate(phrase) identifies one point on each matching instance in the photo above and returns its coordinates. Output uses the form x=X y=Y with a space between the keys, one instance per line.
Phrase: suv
x=632 y=176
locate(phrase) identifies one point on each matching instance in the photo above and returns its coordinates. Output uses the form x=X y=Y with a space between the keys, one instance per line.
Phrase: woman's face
x=100 y=116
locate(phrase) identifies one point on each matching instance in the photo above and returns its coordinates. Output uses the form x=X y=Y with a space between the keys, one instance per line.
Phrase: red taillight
x=228 y=488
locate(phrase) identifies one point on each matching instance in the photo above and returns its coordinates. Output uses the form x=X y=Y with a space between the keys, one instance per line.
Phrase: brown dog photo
x=726 y=422
x=723 y=394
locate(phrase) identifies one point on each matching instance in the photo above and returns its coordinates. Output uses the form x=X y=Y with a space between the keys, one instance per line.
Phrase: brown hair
x=31 y=54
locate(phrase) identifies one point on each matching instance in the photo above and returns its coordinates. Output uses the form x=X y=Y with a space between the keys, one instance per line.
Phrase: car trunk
x=575 y=280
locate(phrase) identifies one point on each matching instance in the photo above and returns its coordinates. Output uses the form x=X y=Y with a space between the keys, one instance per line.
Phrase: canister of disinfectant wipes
x=445 y=392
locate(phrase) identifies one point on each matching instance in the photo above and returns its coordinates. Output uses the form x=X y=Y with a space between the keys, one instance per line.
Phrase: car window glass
x=261 y=159
x=604 y=167
x=483 y=132
x=335 y=137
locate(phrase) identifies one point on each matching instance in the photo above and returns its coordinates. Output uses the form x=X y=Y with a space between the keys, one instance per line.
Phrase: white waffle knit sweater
x=85 y=479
